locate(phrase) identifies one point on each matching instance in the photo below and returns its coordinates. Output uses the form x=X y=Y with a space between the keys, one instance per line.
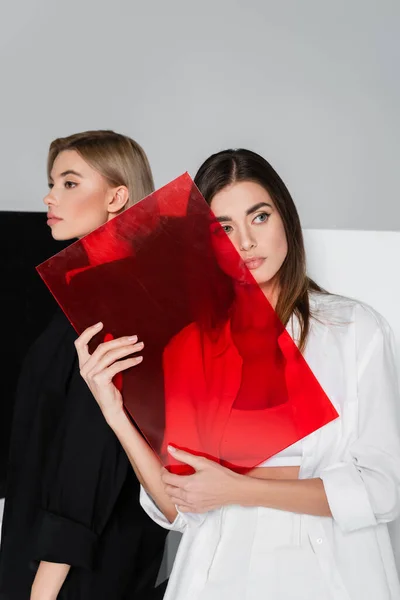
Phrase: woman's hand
x=211 y=487
x=99 y=368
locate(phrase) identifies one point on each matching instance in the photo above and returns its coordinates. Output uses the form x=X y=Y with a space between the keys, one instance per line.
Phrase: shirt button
x=319 y=541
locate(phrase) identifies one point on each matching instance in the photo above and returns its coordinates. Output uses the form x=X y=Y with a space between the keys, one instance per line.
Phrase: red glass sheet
x=221 y=377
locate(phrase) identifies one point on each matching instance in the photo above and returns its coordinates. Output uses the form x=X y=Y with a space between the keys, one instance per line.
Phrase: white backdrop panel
x=359 y=264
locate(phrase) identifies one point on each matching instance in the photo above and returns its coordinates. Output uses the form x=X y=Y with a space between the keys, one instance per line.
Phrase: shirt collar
x=221 y=339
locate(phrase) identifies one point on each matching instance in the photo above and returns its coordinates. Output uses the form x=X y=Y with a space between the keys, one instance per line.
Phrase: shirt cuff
x=347 y=497
x=61 y=540
x=182 y=520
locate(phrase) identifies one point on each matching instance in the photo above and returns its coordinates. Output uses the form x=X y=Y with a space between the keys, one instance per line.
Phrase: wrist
x=116 y=418
x=247 y=491
x=239 y=490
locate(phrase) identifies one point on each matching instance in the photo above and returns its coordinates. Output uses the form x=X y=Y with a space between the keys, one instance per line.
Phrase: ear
x=118 y=199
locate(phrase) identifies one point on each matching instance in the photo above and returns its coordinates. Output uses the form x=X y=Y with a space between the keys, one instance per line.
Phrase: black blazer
x=72 y=496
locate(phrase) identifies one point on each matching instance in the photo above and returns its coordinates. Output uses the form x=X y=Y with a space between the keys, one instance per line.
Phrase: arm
x=98 y=370
x=49 y=581
x=84 y=473
x=304 y=496
x=213 y=486
x=144 y=462
x=364 y=488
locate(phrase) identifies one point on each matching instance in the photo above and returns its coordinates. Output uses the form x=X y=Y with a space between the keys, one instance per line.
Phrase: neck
x=250 y=308
x=271 y=291
x=104 y=245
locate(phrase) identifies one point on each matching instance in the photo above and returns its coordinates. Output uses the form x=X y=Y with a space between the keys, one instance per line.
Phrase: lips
x=52 y=219
x=254 y=262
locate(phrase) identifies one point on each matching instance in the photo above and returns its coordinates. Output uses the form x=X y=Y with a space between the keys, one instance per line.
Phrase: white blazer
x=350 y=349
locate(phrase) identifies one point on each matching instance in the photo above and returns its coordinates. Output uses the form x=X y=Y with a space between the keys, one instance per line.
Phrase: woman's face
x=79 y=199
x=249 y=217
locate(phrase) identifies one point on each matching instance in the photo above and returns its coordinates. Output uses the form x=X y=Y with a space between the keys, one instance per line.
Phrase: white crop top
x=290 y=457
x=236 y=446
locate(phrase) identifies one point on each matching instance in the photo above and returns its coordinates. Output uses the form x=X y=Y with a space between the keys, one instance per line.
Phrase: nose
x=49 y=199
x=247 y=240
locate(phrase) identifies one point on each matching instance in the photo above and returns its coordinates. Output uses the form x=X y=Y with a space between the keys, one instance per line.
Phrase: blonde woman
x=73 y=527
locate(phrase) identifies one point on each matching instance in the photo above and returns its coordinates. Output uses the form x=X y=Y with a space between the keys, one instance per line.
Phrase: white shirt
x=289 y=457
x=350 y=349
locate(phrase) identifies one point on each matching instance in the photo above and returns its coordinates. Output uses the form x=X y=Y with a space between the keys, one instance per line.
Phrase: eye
x=70 y=185
x=217 y=229
x=261 y=218
x=51 y=185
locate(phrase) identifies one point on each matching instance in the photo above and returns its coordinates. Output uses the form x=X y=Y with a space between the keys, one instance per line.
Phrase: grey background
x=313 y=85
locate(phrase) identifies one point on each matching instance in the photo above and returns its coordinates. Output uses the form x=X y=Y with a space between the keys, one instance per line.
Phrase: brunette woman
x=310 y=523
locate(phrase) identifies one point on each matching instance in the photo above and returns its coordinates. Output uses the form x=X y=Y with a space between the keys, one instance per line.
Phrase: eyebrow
x=68 y=172
x=249 y=211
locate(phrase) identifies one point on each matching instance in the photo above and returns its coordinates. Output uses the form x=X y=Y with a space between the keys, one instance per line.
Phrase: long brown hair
x=120 y=160
x=231 y=166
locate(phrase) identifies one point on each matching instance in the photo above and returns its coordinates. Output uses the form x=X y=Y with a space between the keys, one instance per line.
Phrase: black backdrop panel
x=26 y=305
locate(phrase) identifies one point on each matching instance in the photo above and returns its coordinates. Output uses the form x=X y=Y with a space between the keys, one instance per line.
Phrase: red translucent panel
x=221 y=376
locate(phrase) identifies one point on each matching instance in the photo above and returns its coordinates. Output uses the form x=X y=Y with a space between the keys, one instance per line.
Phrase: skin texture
x=213 y=486
x=247 y=214
x=82 y=200
x=257 y=231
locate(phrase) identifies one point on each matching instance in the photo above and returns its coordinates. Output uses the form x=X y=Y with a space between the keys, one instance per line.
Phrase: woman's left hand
x=210 y=487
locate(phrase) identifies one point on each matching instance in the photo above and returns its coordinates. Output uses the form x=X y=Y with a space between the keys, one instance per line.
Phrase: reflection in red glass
x=221 y=377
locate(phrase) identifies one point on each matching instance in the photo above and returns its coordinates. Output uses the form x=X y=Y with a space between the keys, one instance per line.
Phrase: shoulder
x=186 y=338
x=195 y=342
x=344 y=309
x=345 y=314
x=58 y=332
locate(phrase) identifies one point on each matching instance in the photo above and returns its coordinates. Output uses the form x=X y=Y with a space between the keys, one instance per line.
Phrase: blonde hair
x=118 y=158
